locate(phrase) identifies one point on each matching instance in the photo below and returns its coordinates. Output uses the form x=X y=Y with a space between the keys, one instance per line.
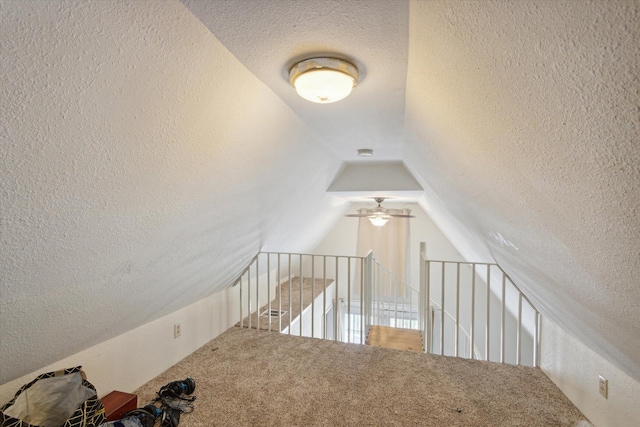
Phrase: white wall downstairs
x=130 y=360
x=343 y=238
x=574 y=368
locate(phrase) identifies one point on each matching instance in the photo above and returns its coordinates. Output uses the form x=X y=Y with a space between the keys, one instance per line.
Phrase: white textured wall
x=141 y=167
x=130 y=360
x=575 y=369
x=525 y=130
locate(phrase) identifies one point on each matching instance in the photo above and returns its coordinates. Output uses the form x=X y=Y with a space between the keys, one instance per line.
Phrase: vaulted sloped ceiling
x=142 y=167
x=149 y=149
x=525 y=122
x=270 y=37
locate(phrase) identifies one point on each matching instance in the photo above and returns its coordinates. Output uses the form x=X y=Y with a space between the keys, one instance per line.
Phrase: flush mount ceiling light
x=365 y=152
x=323 y=80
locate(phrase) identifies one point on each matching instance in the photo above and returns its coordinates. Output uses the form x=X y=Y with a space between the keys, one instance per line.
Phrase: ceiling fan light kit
x=378 y=221
x=323 y=80
x=379 y=216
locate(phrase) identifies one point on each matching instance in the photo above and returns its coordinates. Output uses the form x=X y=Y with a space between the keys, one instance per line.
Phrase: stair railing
x=435 y=314
x=395 y=302
x=272 y=280
x=340 y=298
x=499 y=324
x=495 y=316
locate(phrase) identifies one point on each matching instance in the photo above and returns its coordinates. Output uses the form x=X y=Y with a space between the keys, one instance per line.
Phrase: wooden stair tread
x=396 y=338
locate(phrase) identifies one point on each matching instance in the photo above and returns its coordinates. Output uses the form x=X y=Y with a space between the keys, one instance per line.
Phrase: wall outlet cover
x=603 y=386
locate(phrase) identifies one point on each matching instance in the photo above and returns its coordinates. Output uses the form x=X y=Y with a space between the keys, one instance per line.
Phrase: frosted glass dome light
x=378 y=221
x=323 y=80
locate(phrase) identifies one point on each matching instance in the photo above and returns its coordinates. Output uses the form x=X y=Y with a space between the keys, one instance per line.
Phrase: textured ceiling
x=148 y=147
x=268 y=37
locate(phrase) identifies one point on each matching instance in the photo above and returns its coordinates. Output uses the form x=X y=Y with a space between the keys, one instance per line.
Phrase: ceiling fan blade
x=380 y=212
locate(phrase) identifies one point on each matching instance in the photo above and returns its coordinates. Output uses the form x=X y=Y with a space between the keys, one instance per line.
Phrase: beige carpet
x=249 y=377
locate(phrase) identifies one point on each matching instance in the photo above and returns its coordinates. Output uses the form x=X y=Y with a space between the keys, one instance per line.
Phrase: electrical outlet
x=176 y=330
x=603 y=386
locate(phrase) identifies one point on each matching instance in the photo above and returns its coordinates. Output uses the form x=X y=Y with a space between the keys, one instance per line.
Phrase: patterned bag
x=55 y=399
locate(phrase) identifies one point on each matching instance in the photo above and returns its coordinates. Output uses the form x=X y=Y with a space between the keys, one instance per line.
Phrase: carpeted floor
x=249 y=377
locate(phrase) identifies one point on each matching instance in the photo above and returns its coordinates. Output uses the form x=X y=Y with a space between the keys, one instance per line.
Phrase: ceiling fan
x=379 y=215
